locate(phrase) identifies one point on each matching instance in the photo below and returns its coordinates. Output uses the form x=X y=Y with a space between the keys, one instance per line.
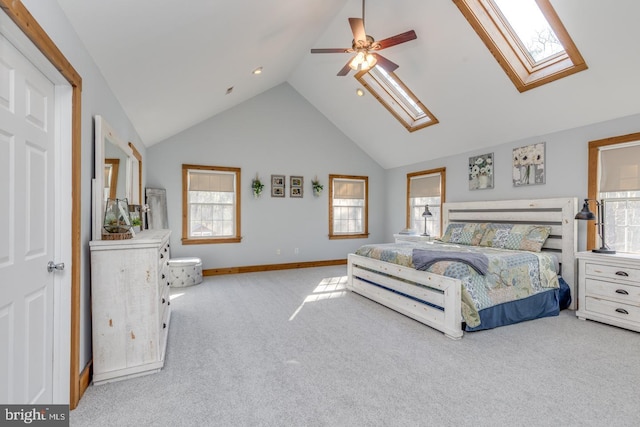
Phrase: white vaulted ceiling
x=170 y=62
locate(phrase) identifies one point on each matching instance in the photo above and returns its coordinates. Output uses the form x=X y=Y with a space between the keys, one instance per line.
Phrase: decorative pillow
x=516 y=236
x=464 y=234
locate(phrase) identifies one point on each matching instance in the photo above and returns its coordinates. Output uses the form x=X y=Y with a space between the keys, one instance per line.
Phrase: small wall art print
x=277 y=185
x=296 y=186
x=481 y=172
x=528 y=165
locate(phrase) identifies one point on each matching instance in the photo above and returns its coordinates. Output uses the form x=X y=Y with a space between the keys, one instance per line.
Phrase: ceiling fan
x=365 y=47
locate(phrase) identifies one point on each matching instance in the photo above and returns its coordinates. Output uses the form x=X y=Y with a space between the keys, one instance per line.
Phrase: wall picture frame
x=277 y=185
x=528 y=165
x=481 y=172
x=296 y=186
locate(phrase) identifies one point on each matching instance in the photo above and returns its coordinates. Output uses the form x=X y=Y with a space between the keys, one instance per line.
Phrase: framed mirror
x=118 y=168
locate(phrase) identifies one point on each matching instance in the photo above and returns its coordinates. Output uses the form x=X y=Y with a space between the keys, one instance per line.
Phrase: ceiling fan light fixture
x=363 y=61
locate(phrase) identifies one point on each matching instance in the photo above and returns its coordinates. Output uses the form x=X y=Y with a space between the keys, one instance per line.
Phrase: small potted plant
x=136 y=222
x=317 y=187
x=257 y=186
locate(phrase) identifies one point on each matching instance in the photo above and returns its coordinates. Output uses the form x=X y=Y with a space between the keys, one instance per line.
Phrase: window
x=210 y=204
x=396 y=97
x=527 y=39
x=348 y=207
x=426 y=188
x=614 y=177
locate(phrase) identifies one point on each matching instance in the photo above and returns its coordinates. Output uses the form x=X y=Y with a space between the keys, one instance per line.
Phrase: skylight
x=526 y=37
x=379 y=73
x=531 y=27
x=396 y=97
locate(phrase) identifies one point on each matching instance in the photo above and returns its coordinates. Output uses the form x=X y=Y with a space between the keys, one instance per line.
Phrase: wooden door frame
x=19 y=14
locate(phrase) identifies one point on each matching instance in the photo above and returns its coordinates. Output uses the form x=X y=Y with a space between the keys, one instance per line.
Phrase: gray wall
x=277 y=132
x=565 y=164
x=97 y=98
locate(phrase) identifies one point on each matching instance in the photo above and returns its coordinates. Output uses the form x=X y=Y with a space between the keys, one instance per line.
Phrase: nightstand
x=609 y=289
x=412 y=238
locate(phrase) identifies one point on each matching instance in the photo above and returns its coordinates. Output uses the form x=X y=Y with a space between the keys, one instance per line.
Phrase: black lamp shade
x=426 y=212
x=585 y=213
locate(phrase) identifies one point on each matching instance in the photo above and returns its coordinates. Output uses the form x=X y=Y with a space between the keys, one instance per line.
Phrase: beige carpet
x=293 y=348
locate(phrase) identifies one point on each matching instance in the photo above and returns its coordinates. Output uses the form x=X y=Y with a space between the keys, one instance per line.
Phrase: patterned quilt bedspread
x=510 y=275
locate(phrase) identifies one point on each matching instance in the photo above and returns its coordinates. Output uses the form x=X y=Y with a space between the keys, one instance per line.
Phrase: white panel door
x=27 y=154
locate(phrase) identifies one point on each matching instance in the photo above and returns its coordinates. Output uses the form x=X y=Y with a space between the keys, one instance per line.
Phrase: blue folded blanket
x=423 y=259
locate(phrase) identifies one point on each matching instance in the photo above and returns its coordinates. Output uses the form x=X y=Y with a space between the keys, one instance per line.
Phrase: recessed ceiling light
x=257 y=71
x=359 y=92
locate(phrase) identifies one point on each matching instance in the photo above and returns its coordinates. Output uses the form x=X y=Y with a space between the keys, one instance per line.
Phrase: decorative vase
x=524 y=174
x=532 y=174
x=483 y=181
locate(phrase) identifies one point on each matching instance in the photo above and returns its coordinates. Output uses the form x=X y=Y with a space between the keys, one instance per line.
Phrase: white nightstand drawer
x=612 y=272
x=613 y=291
x=613 y=309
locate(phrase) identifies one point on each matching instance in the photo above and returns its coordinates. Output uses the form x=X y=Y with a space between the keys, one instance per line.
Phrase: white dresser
x=130 y=305
x=609 y=289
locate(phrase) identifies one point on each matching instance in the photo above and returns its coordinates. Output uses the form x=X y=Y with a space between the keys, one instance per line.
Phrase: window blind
x=620 y=169
x=211 y=181
x=425 y=186
x=348 y=189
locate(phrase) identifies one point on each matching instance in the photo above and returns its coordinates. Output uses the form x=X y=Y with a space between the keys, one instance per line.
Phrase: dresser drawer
x=621 y=292
x=163 y=256
x=613 y=309
x=612 y=272
x=163 y=310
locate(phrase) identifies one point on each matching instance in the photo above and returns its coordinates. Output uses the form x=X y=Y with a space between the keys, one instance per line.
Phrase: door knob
x=53 y=266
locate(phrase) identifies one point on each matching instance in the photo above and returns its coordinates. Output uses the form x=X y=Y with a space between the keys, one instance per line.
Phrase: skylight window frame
x=383 y=90
x=485 y=18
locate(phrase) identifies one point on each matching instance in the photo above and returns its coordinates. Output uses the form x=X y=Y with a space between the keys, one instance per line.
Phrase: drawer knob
x=164 y=325
x=622 y=292
x=622 y=311
x=163 y=300
x=168 y=302
x=162 y=256
x=163 y=275
x=622 y=273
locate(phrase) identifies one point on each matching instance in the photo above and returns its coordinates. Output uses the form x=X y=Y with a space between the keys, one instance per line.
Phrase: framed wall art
x=481 y=172
x=277 y=185
x=296 y=186
x=528 y=165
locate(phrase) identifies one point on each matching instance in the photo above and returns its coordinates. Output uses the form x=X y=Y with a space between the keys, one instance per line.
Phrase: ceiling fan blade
x=331 y=50
x=397 y=39
x=389 y=66
x=345 y=70
x=357 y=28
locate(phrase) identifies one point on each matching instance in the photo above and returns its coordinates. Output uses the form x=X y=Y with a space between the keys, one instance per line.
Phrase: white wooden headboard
x=557 y=213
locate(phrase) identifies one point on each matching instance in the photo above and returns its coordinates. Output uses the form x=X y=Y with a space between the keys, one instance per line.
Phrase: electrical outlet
x=277 y=251
x=296 y=251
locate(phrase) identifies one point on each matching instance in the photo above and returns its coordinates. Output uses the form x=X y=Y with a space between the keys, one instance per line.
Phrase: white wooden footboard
x=441 y=291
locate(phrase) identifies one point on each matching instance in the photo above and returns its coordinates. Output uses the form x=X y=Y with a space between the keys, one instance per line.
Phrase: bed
x=438 y=300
